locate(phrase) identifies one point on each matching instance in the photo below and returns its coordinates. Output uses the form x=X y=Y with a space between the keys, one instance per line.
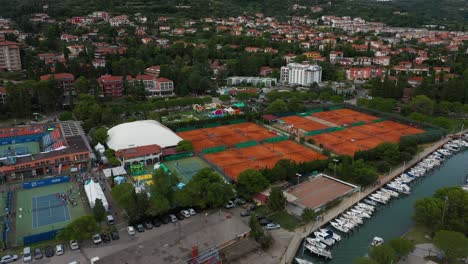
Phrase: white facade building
x=301 y=74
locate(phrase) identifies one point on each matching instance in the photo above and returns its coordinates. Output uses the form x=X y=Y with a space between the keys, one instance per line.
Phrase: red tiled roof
x=161 y=79
x=3 y=90
x=110 y=78
x=57 y=76
x=143 y=77
x=135 y=152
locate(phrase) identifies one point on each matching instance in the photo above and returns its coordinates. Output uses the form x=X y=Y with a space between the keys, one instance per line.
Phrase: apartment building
x=10 y=58
x=301 y=74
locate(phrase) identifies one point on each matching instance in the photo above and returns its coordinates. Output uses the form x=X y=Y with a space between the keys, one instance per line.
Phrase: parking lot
x=169 y=243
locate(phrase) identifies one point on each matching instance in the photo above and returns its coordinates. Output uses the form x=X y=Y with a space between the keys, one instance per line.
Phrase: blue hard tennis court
x=48 y=210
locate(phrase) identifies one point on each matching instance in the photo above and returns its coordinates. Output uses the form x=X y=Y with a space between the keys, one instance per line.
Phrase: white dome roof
x=141 y=133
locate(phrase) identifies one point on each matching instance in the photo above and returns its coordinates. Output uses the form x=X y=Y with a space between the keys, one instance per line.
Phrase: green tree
x=65 y=116
x=250 y=182
x=401 y=246
x=184 y=146
x=99 y=211
x=207 y=189
x=383 y=254
x=100 y=135
x=225 y=98
x=364 y=260
x=453 y=244
x=422 y=104
x=308 y=215
x=125 y=196
x=276 y=201
x=256 y=230
x=19 y=99
x=278 y=106
x=80 y=229
x=81 y=85
x=88 y=110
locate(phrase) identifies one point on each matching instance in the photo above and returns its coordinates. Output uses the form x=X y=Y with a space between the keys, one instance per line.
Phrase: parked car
x=115 y=235
x=74 y=245
x=59 y=250
x=110 y=220
x=130 y=230
x=166 y=219
x=148 y=225
x=8 y=258
x=245 y=213
x=253 y=207
x=173 y=218
x=239 y=201
x=156 y=222
x=272 y=226
x=97 y=239
x=38 y=253
x=191 y=211
x=263 y=221
x=140 y=228
x=180 y=216
x=49 y=251
x=105 y=238
x=27 y=257
x=229 y=205
x=185 y=213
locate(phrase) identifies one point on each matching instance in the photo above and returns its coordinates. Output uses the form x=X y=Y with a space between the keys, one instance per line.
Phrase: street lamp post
x=298 y=175
x=334 y=173
x=443 y=212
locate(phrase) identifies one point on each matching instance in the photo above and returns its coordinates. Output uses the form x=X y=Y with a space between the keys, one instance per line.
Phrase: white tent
x=94 y=191
x=100 y=148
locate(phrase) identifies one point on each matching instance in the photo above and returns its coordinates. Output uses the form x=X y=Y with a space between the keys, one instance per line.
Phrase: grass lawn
x=417 y=234
x=285 y=220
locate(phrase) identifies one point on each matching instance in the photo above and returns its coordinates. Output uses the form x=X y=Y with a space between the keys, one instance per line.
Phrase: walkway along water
x=303 y=232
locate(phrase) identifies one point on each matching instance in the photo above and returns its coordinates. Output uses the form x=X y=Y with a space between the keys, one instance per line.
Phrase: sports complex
x=43 y=207
x=233 y=148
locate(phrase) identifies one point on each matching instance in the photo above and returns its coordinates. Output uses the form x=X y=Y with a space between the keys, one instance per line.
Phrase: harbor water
x=394 y=219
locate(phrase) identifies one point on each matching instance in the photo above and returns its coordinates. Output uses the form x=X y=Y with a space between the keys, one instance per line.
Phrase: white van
x=110 y=220
x=27 y=257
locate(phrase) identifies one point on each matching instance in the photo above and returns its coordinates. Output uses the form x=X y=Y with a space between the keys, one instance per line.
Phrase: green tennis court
x=186 y=168
x=20 y=148
x=40 y=210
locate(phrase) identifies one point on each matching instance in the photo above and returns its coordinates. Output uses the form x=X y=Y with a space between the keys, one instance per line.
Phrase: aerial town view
x=234 y=131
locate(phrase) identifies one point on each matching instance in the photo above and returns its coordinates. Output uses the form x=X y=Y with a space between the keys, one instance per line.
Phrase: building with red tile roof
x=149 y=154
x=10 y=58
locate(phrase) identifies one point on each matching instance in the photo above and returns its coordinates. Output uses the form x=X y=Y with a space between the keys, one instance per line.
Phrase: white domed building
x=141 y=141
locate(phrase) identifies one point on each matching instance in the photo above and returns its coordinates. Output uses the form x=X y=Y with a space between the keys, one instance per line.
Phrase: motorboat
x=318 y=251
x=370 y=202
x=377 y=199
x=392 y=193
x=377 y=241
x=336 y=237
x=361 y=213
x=302 y=261
x=366 y=206
x=324 y=238
x=316 y=242
x=339 y=227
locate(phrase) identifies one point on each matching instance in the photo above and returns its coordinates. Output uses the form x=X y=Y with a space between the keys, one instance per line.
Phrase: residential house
x=335 y=56
x=382 y=60
x=3 y=95
x=153 y=71
x=111 y=86
x=64 y=81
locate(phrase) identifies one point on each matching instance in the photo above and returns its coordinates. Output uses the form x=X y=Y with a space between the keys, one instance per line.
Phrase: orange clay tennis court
x=228 y=135
x=302 y=123
x=233 y=161
x=365 y=137
x=344 y=116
